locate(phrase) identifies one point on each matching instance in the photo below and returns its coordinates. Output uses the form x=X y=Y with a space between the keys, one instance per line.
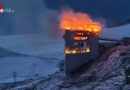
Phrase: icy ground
x=29 y=56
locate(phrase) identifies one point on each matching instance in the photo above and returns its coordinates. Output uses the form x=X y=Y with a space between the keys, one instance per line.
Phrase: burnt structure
x=80 y=48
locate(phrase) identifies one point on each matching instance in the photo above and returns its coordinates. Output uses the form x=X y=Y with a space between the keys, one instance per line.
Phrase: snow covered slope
x=42 y=52
x=116 y=32
x=25 y=68
x=110 y=72
x=37 y=45
x=30 y=56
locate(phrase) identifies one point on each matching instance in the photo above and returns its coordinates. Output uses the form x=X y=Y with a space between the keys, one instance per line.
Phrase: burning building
x=81 y=39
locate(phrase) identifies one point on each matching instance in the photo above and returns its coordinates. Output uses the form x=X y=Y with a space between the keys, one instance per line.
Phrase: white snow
x=33 y=45
x=116 y=32
x=32 y=66
x=25 y=68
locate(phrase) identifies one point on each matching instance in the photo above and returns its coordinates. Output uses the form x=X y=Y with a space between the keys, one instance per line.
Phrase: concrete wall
x=73 y=61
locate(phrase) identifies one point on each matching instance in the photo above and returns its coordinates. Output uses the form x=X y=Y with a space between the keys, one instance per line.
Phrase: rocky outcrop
x=110 y=72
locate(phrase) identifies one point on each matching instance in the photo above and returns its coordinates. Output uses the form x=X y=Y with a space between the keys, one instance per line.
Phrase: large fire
x=78 y=21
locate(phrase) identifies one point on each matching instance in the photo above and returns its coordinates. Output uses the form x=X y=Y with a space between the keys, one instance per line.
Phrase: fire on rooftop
x=81 y=39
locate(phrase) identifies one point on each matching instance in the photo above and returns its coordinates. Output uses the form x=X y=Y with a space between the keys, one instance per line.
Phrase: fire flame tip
x=78 y=21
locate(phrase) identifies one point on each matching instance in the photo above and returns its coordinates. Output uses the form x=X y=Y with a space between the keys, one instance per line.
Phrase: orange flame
x=80 y=38
x=78 y=21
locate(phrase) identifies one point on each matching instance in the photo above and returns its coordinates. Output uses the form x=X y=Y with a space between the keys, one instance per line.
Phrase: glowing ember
x=78 y=21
